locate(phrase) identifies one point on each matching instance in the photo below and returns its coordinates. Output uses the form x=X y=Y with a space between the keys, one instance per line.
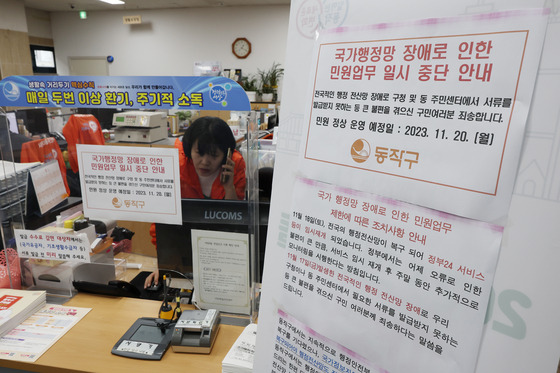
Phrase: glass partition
x=253 y=198
x=13 y=193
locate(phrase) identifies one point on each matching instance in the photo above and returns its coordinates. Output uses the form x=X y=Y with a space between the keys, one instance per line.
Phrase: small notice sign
x=52 y=245
x=130 y=183
x=49 y=186
x=132 y=20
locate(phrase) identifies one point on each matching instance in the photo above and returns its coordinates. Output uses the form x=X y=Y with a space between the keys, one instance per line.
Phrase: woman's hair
x=212 y=133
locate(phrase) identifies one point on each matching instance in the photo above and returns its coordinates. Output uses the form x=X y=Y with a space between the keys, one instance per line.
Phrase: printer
x=196 y=331
x=140 y=126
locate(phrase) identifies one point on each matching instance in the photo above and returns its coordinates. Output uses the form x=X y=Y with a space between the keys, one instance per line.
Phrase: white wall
x=168 y=42
x=12 y=15
x=38 y=23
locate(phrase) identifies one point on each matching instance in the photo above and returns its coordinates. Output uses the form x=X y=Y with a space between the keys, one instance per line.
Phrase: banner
x=126 y=92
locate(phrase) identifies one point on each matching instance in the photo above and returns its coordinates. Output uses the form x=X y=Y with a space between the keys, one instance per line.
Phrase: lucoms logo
x=11 y=91
x=360 y=151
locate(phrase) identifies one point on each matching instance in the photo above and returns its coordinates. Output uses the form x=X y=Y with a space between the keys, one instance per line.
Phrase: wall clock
x=241 y=48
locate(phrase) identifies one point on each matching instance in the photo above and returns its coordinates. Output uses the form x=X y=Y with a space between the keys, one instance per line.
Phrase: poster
x=520 y=320
x=130 y=183
x=221 y=270
x=424 y=107
x=417 y=280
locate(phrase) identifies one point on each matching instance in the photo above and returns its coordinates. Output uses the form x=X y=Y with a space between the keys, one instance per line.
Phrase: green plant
x=249 y=83
x=270 y=78
x=183 y=115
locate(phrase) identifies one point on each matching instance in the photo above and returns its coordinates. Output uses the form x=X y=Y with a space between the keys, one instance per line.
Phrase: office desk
x=87 y=346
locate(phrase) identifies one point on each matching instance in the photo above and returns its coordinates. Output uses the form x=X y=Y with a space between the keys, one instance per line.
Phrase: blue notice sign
x=126 y=92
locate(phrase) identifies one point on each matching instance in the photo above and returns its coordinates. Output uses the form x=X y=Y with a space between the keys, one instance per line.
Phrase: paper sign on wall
x=221 y=270
x=417 y=280
x=130 y=183
x=410 y=144
x=420 y=107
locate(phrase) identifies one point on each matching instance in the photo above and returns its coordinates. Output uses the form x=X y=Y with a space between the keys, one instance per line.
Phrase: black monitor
x=43 y=59
x=174 y=248
x=103 y=115
x=35 y=120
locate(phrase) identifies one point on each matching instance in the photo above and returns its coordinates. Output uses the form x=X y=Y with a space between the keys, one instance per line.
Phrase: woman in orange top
x=206 y=171
x=205 y=168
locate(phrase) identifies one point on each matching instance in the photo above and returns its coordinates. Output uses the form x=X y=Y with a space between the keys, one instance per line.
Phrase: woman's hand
x=152 y=278
x=227 y=179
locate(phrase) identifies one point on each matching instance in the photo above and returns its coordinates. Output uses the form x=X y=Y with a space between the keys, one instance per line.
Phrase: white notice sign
x=52 y=245
x=130 y=183
x=49 y=186
x=410 y=281
x=221 y=270
x=425 y=108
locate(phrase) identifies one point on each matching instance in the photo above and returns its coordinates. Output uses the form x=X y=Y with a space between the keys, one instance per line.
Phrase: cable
x=163 y=325
x=181 y=274
x=178 y=311
x=166 y=311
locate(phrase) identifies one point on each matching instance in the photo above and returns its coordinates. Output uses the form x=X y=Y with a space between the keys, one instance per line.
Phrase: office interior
x=163 y=44
x=168 y=42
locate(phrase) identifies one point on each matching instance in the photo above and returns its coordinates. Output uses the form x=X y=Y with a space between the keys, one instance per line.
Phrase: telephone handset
x=224 y=178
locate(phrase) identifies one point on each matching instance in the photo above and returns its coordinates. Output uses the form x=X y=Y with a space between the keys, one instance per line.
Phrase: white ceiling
x=76 y=5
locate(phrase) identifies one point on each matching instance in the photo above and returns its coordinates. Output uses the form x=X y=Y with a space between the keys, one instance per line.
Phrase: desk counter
x=87 y=346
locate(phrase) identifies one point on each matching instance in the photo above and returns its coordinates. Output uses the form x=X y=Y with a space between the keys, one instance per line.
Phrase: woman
x=204 y=161
x=206 y=170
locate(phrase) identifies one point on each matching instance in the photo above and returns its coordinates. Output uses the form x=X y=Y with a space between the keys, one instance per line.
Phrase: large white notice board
x=410 y=138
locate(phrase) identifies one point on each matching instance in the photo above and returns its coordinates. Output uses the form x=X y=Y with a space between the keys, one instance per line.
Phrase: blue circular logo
x=218 y=93
x=11 y=91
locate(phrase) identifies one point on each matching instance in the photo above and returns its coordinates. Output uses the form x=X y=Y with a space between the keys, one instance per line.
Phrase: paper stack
x=240 y=357
x=17 y=305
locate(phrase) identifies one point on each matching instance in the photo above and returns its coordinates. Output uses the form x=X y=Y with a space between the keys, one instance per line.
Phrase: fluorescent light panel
x=113 y=2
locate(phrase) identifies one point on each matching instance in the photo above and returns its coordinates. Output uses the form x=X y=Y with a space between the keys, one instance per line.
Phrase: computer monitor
x=103 y=115
x=174 y=247
x=43 y=59
x=35 y=120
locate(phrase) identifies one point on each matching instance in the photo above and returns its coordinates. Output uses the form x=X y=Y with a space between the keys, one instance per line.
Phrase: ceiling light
x=113 y=2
